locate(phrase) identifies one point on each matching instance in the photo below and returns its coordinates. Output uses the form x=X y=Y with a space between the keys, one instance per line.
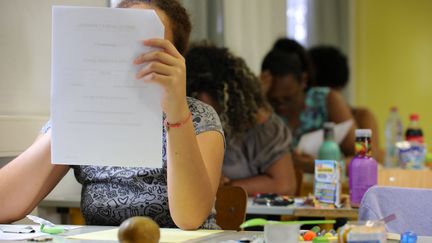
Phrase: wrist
x=177 y=114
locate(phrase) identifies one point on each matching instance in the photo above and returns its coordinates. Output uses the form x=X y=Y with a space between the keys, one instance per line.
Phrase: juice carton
x=327 y=185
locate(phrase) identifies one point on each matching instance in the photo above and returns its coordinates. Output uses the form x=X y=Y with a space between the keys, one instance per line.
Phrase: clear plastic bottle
x=393 y=134
x=363 y=169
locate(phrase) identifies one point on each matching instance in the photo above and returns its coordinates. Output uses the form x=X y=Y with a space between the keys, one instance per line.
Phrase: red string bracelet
x=177 y=124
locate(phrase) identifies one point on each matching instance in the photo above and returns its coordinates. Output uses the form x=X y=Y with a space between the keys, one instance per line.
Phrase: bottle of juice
x=363 y=172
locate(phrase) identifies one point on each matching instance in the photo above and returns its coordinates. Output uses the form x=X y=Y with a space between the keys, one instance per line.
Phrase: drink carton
x=327 y=185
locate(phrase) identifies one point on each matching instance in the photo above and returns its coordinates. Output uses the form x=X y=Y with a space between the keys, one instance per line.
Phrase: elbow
x=188 y=223
x=13 y=211
x=11 y=217
x=287 y=187
x=190 y=219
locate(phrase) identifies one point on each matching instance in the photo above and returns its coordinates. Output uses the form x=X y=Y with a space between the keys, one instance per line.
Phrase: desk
x=217 y=237
x=293 y=210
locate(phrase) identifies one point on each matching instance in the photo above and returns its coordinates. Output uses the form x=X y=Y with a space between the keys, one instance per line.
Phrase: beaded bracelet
x=177 y=124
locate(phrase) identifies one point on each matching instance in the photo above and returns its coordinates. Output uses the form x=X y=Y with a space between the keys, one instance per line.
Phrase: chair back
x=411 y=207
x=231 y=202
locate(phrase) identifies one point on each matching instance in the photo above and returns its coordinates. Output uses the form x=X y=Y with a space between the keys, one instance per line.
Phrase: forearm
x=265 y=184
x=27 y=179
x=190 y=191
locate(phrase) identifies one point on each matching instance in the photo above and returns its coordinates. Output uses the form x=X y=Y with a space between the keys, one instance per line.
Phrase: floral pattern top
x=314 y=115
x=110 y=195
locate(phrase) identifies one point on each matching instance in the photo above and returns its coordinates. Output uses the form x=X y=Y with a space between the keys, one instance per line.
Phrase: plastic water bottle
x=393 y=134
x=363 y=169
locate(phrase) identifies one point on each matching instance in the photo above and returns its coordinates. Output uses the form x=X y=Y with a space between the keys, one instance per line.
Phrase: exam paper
x=310 y=142
x=166 y=235
x=6 y=229
x=100 y=114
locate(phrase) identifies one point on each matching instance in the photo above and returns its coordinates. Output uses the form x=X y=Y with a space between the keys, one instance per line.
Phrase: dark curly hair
x=331 y=66
x=229 y=82
x=179 y=19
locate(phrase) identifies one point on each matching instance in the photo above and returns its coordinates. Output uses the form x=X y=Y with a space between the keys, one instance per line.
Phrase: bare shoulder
x=337 y=107
x=364 y=117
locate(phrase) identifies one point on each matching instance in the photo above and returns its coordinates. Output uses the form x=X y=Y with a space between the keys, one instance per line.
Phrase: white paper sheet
x=310 y=142
x=25 y=236
x=101 y=115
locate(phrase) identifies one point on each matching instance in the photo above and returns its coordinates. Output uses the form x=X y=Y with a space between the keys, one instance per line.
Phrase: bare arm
x=278 y=178
x=26 y=180
x=194 y=162
x=339 y=112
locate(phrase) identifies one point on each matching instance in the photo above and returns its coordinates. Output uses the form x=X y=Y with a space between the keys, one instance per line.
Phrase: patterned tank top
x=112 y=194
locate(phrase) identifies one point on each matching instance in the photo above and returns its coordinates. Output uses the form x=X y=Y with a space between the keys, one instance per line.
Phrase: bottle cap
x=329 y=125
x=414 y=117
x=393 y=109
x=363 y=133
x=408 y=237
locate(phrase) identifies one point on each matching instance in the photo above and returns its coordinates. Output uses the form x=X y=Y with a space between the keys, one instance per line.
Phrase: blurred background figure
x=331 y=70
x=257 y=155
x=288 y=83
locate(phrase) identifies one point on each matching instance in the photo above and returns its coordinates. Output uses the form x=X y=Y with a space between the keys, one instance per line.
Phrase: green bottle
x=329 y=149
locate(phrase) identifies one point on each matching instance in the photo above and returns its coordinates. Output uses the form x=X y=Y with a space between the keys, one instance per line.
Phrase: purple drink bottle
x=363 y=172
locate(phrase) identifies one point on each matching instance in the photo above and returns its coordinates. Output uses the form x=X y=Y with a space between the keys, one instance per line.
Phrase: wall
x=25 y=47
x=252 y=26
x=393 y=58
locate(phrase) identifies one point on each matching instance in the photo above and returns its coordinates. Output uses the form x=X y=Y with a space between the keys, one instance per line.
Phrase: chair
x=230 y=207
x=411 y=207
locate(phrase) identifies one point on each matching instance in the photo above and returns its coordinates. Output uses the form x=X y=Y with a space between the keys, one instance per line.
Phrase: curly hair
x=177 y=14
x=331 y=66
x=229 y=82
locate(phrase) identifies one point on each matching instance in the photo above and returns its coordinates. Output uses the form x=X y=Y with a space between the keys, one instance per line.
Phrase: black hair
x=291 y=46
x=331 y=66
x=279 y=64
x=228 y=81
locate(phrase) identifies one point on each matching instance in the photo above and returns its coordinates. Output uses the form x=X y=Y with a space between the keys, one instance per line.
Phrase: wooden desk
x=214 y=238
x=292 y=210
x=405 y=178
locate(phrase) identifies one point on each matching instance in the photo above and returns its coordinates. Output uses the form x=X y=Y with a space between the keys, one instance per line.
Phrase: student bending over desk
x=192 y=153
x=286 y=77
x=257 y=155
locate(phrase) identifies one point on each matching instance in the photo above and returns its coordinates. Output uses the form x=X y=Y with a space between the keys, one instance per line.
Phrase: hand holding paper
x=101 y=114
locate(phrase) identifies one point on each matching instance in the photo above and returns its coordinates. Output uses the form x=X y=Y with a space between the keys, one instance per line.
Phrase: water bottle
x=393 y=134
x=363 y=169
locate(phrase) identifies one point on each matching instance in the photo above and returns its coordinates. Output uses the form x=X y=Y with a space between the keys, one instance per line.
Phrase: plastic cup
x=281 y=233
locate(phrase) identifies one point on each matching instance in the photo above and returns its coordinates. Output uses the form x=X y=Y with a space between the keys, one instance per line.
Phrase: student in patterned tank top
x=286 y=77
x=179 y=194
